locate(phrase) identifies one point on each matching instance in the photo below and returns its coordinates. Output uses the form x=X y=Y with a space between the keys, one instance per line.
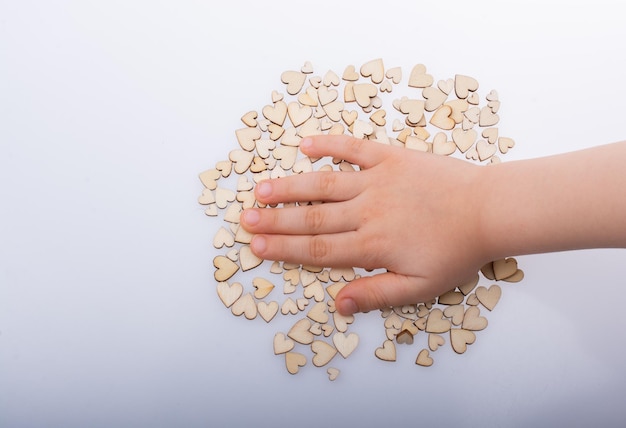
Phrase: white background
x=108 y=310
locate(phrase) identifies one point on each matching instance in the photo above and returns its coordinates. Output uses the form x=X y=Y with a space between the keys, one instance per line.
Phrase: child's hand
x=414 y=214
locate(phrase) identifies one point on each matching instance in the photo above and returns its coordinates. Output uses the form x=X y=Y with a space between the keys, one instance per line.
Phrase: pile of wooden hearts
x=440 y=118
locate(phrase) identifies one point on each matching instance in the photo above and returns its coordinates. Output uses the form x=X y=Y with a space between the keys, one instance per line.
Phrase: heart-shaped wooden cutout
x=323 y=351
x=345 y=344
x=404 y=336
x=294 y=81
x=435 y=341
x=472 y=319
x=350 y=74
x=300 y=332
x=364 y=92
x=436 y=322
x=333 y=373
x=387 y=352
x=241 y=160
x=487 y=117
x=249 y=119
x=229 y=294
x=464 y=139
x=459 y=339
x=276 y=113
x=504 y=268
x=225 y=268
x=463 y=85
x=282 y=344
x=223 y=238
x=434 y=98
x=209 y=178
x=424 y=359
x=318 y=313
x=489 y=297
x=419 y=78
x=263 y=287
x=298 y=114
x=268 y=310
x=289 y=306
x=414 y=109
x=455 y=313
x=245 y=305
x=293 y=361
x=247 y=258
x=504 y=144
x=374 y=69
x=247 y=136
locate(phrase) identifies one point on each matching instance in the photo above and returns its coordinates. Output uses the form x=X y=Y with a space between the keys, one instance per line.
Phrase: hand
x=417 y=215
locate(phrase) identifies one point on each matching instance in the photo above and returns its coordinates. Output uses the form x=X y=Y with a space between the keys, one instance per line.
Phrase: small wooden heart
x=387 y=352
x=323 y=351
x=293 y=361
x=424 y=359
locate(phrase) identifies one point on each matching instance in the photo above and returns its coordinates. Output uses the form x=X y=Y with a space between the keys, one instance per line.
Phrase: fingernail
x=263 y=189
x=347 y=306
x=258 y=245
x=306 y=143
x=251 y=217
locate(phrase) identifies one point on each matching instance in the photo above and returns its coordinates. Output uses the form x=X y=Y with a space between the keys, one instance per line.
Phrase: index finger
x=364 y=153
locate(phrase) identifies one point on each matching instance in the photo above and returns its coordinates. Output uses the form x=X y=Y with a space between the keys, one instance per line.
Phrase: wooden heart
x=436 y=322
x=282 y=344
x=414 y=109
x=293 y=361
x=516 y=277
x=469 y=285
x=342 y=321
x=223 y=238
x=419 y=78
x=323 y=351
x=247 y=258
x=489 y=297
x=225 y=268
x=333 y=288
x=441 y=118
x=300 y=332
x=333 y=111
x=455 y=313
x=229 y=294
x=446 y=86
x=386 y=86
x=463 y=85
x=464 y=139
x=349 y=116
x=318 y=313
x=434 y=98
x=435 y=341
x=472 y=319
x=276 y=113
x=245 y=305
x=294 y=81
x=361 y=129
x=504 y=268
x=345 y=344
x=209 y=178
x=491 y=134
x=379 y=117
x=298 y=114
x=314 y=291
x=364 y=92
x=404 y=336
x=263 y=287
x=485 y=150
x=330 y=78
x=207 y=197
x=350 y=74
x=387 y=352
x=247 y=136
x=459 y=107
x=241 y=160
x=342 y=274
x=289 y=306
x=326 y=95
x=424 y=359
x=267 y=310
x=333 y=373
x=286 y=155
x=374 y=69
x=249 y=119
x=487 y=117
x=472 y=300
x=504 y=144
x=459 y=339
x=395 y=74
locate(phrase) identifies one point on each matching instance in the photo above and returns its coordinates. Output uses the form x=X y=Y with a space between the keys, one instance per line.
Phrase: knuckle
x=354 y=144
x=328 y=183
x=314 y=218
x=319 y=248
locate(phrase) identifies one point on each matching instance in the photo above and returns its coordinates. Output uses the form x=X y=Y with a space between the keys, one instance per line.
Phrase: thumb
x=382 y=291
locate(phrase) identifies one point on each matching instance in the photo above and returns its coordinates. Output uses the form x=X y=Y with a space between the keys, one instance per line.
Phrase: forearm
x=564 y=202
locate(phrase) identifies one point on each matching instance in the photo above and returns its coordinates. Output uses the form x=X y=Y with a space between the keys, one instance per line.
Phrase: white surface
x=108 y=310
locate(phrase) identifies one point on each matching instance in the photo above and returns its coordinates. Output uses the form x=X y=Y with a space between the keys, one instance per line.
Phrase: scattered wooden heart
x=345 y=344
x=436 y=322
x=323 y=351
x=419 y=78
x=333 y=373
x=246 y=306
x=463 y=85
x=404 y=336
x=504 y=268
x=293 y=361
x=247 y=137
x=263 y=287
x=289 y=306
x=300 y=332
x=374 y=69
x=225 y=268
x=424 y=359
x=387 y=352
x=294 y=81
x=455 y=313
x=267 y=310
x=489 y=297
x=459 y=339
x=282 y=344
x=229 y=294
x=472 y=319
x=435 y=341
